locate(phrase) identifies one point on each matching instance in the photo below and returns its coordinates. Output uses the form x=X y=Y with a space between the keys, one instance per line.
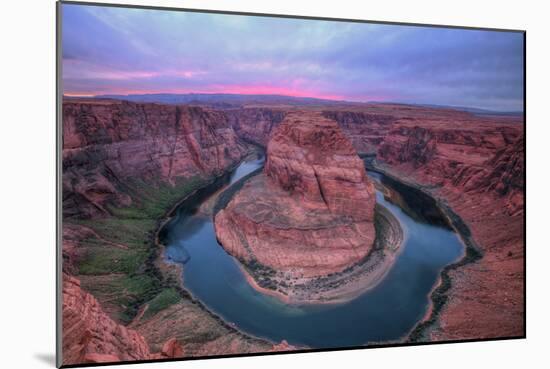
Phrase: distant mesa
x=232 y=100
x=224 y=100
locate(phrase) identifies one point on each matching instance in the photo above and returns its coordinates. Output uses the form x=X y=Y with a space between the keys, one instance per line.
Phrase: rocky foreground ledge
x=304 y=228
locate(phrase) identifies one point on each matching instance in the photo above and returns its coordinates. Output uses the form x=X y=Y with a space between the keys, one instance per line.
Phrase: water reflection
x=386 y=312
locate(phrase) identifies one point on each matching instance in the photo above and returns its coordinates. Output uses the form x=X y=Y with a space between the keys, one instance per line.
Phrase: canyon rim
x=286 y=193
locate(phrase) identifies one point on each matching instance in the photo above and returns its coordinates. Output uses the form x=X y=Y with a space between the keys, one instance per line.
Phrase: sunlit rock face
x=310 y=213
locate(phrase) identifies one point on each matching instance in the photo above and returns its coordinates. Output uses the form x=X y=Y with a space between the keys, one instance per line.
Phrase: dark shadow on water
x=46 y=358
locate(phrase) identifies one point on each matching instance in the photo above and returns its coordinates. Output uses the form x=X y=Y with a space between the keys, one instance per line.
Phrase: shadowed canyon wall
x=476 y=166
x=365 y=130
x=255 y=124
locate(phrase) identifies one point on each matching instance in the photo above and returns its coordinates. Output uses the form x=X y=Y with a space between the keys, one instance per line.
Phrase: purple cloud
x=121 y=50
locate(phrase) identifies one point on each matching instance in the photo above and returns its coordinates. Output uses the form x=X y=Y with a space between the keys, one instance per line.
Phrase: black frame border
x=59 y=140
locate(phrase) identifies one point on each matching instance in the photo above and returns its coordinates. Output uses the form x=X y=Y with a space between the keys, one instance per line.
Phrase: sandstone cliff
x=364 y=129
x=91 y=336
x=476 y=166
x=463 y=157
x=255 y=124
x=311 y=212
x=110 y=145
x=310 y=157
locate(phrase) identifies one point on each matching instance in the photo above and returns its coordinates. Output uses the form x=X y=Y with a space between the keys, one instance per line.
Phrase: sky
x=110 y=50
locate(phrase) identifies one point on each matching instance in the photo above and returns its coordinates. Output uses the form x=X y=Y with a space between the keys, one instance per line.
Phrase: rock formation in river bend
x=311 y=158
x=310 y=213
x=107 y=144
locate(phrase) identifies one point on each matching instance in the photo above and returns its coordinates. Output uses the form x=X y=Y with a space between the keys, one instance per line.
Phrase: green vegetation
x=126 y=293
x=152 y=201
x=107 y=253
x=161 y=301
x=121 y=253
x=263 y=274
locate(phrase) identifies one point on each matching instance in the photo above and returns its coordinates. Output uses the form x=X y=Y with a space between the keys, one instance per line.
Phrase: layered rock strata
x=476 y=167
x=309 y=214
x=91 y=336
x=364 y=129
x=255 y=124
x=110 y=145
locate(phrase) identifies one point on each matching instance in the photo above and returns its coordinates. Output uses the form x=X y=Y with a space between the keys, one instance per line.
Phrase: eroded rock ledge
x=91 y=336
x=304 y=228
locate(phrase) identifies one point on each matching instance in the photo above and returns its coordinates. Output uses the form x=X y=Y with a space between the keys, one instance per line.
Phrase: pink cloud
x=226 y=89
x=292 y=90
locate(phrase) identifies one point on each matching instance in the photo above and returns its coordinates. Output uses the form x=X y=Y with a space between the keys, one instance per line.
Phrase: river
x=386 y=312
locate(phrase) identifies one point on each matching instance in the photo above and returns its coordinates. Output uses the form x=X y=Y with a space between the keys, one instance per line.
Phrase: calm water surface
x=386 y=312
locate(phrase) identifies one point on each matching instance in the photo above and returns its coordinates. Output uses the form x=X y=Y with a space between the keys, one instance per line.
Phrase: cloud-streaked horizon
x=109 y=50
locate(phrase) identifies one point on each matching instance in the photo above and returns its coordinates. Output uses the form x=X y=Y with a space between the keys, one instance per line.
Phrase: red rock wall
x=255 y=124
x=463 y=157
x=107 y=144
x=312 y=157
x=477 y=167
x=365 y=130
x=91 y=336
x=311 y=211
